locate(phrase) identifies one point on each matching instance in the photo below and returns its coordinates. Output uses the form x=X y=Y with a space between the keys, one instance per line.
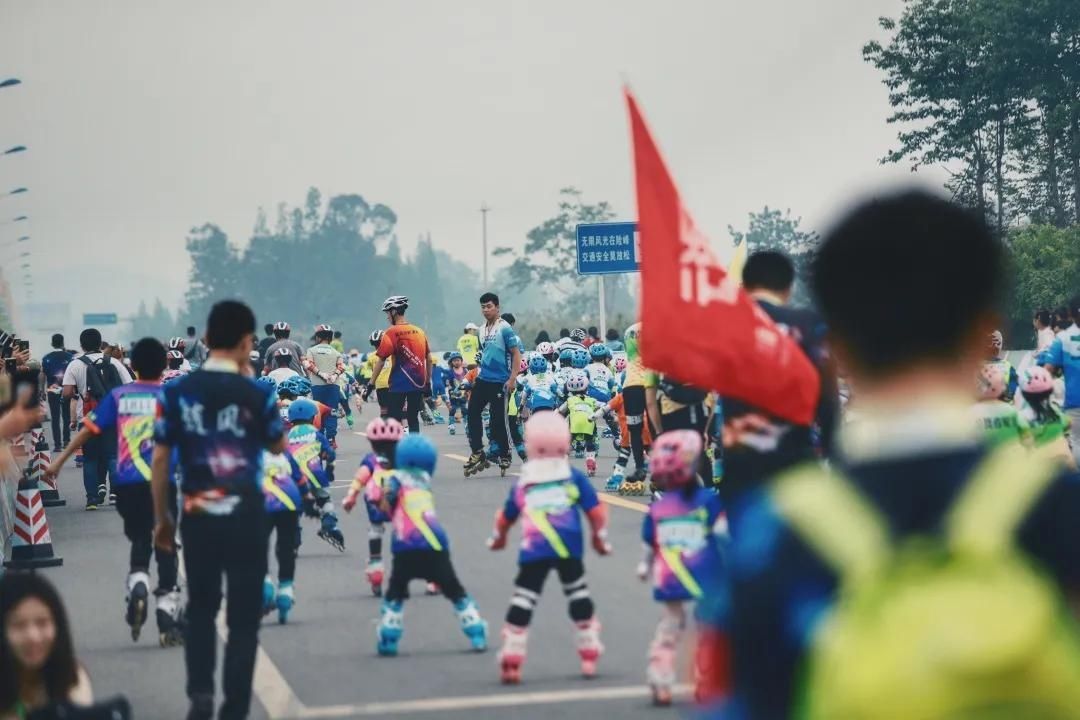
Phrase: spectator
x=37 y=665
x=497 y=379
x=267 y=341
x=541 y=337
x=593 y=337
x=99 y=452
x=53 y=366
x=219 y=422
x=1064 y=355
x=195 y=351
x=908 y=465
x=337 y=343
x=614 y=341
x=468 y=344
x=509 y=318
x=1044 y=332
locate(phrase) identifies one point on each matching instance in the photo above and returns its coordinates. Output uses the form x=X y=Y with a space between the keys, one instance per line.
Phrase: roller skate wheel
x=661 y=695
x=588 y=668
x=511 y=673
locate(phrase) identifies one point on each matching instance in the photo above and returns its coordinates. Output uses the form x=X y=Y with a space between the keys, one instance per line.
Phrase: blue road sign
x=607 y=248
x=99 y=319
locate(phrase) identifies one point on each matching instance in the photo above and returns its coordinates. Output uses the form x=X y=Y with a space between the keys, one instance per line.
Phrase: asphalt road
x=323 y=663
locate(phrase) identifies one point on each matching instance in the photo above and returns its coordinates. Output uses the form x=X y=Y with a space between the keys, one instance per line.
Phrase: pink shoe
x=590 y=466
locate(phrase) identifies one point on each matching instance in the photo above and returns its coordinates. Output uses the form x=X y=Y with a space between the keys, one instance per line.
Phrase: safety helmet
x=577 y=381
x=383 y=430
x=1036 y=380
x=397 y=303
x=620 y=364
x=599 y=351
x=578 y=335
x=283 y=352
x=471 y=326
x=674 y=458
x=177 y=343
x=302 y=411
x=545 y=348
x=324 y=330
x=991 y=382
x=269 y=381
x=175 y=355
x=566 y=355
x=452 y=356
x=538 y=364
x=296 y=385
x=415 y=452
x=375 y=338
x=282 y=327
x=579 y=358
x=547 y=436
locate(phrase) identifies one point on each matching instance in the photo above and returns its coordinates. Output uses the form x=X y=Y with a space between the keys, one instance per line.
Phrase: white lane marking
x=475 y=702
x=459 y=458
x=269 y=685
x=358 y=432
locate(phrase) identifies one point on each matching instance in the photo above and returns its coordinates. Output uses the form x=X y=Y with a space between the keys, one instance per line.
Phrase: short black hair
x=612 y=335
x=268 y=328
x=1074 y=308
x=58 y=341
x=282 y=334
x=148 y=358
x=896 y=261
x=191 y=330
x=228 y=323
x=282 y=361
x=509 y=317
x=565 y=332
x=337 y=334
x=90 y=340
x=593 y=332
x=768 y=270
x=489 y=297
x=1044 y=317
x=446 y=355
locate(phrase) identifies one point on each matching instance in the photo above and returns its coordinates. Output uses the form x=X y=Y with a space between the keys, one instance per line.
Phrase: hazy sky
x=145 y=118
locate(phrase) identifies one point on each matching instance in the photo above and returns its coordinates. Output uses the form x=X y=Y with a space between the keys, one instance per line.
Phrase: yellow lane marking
x=623 y=503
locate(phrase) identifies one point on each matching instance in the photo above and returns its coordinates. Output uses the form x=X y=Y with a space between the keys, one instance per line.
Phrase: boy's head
x=191 y=331
x=577 y=382
x=148 y=359
x=58 y=341
x=282 y=357
x=268 y=329
x=384 y=434
x=302 y=412
x=908 y=281
x=90 y=340
x=282 y=331
x=174 y=359
x=229 y=329
x=1042 y=319
x=324 y=333
x=415 y=452
x=771 y=271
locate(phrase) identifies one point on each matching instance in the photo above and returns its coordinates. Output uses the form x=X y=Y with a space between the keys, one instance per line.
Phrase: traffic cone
x=31 y=543
x=39 y=462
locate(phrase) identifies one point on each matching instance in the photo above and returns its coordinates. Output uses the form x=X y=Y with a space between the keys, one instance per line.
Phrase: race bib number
x=548 y=498
x=683 y=534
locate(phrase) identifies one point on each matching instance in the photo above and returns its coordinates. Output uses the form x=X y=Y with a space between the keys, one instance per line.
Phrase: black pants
x=492 y=395
x=135 y=505
x=405 y=407
x=691 y=417
x=529 y=583
x=383 y=398
x=634 y=404
x=60 y=419
x=233 y=546
x=286 y=523
x=431 y=565
x=514 y=421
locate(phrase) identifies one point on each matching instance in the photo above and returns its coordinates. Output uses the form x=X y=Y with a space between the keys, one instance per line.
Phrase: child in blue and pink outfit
x=550 y=498
x=420 y=545
x=682 y=552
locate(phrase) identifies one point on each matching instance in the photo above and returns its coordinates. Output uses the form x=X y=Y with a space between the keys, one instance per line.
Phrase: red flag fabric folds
x=698 y=325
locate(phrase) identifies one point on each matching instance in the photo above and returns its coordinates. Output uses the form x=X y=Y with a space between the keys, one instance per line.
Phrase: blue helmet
x=579 y=358
x=566 y=355
x=302 y=410
x=269 y=381
x=414 y=451
x=295 y=385
x=452 y=356
x=599 y=351
x=538 y=364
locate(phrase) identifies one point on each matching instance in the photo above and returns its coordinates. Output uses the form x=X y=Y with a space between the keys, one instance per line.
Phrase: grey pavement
x=323 y=663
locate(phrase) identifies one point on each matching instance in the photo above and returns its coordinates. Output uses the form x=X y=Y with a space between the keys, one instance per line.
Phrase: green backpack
x=960 y=626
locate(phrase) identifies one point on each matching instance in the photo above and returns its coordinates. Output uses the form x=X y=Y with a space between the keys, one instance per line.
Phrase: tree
x=771 y=229
x=1045 y=267
x=214 y=271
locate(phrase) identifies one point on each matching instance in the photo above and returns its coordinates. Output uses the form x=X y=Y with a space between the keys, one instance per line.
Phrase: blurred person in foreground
x=37 y=663
x=924 y=575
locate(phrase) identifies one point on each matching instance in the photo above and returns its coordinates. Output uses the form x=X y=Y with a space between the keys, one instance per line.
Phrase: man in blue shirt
x=500 y=363
x=53 y=366
x=1064 y=353
x=220 y=421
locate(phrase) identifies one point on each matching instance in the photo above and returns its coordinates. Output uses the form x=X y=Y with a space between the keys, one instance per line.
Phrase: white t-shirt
x=279 y=375
x=1045 y=339
x=76 y=372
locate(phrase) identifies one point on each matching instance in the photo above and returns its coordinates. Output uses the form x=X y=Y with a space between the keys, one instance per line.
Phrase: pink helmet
x=547 y=436
x=384 y=430
x=1037 y=380
x=674 y=458
x=545 y=349
x=991 y=383
x=620 y=364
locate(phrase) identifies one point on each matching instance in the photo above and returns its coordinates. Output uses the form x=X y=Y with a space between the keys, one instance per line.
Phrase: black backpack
x=101 y=377
x=682 y=394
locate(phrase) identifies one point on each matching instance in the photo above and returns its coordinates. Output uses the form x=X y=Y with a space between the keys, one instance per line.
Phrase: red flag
x=698 y=325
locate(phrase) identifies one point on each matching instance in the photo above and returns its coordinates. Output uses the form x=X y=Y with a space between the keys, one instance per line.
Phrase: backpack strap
x=830 y=515
x=1001 y=492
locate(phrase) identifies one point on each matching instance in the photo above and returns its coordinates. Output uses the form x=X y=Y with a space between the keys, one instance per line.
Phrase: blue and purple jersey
x=282 y=484
x=130 y=411
x=312 y=451
x=412 y=511
x=374 y=471
x=680 y=530
x=549 y=499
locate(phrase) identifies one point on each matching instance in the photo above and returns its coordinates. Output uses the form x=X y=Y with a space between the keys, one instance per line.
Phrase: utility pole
x=484 y=210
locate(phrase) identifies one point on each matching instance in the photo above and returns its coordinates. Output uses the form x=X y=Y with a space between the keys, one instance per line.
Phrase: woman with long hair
x=37 y=659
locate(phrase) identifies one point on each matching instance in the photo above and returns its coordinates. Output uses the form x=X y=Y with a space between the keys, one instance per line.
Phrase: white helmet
x=545 y=348
x=471 y=326
x=395 y=302
x=577 y=381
